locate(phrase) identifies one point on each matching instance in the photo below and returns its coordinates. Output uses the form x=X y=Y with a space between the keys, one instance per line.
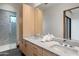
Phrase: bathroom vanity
x=34 y=47
x=31 y=49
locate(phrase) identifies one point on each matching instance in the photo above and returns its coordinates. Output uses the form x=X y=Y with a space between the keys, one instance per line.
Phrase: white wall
x=15 y=8
x=54 y=15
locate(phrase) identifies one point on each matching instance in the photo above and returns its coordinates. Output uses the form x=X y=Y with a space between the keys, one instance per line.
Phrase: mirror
x=71 y=24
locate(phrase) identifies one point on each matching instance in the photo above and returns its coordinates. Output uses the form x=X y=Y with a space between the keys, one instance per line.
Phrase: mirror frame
x=64 y=13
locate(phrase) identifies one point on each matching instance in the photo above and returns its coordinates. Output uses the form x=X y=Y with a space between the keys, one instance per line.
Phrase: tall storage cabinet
x=31 y=24
x=28 y=20
x=38 y=20
x=32 y=21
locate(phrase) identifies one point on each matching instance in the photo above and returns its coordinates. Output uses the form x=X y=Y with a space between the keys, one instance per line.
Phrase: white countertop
x=66 y=52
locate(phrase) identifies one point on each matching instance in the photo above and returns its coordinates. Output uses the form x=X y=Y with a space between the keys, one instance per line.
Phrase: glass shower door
x=7 y=29
x=12 y=33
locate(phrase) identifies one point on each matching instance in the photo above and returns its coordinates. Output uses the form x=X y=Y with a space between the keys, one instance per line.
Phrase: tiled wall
x=7 y=35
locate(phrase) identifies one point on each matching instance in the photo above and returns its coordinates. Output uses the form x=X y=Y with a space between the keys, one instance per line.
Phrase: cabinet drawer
x=37 y=51
x=48 y=53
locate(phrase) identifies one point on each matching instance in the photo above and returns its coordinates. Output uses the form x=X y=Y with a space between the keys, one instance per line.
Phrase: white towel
x=48 y=37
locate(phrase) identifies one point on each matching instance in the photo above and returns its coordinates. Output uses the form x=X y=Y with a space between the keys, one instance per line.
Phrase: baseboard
x=7 y=47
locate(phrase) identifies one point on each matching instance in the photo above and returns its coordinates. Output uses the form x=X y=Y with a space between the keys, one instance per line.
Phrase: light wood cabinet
x=22 y=45
x=30 y=49
x=37 y=51
x=32 y=20
x=25 y=48
x=38 y=20
x=28 y=20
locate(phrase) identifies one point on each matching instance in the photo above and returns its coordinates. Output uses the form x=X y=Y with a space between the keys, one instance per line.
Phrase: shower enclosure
x=7 y=27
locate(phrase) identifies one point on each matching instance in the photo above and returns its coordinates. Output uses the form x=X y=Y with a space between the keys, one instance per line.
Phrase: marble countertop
x=56 y=50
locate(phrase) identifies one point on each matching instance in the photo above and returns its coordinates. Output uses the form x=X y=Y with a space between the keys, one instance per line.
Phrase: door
x=7 y=29
x=12 y=33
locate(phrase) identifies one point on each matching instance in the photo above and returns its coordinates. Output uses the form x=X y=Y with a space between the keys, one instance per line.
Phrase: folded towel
x=48 y=37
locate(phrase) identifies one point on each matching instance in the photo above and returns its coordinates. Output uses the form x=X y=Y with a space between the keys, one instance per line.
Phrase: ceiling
x=34 y=4
x=42 y=5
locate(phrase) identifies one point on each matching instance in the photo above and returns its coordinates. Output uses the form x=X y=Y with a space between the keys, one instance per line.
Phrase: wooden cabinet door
x=22 y=46
x=37 y=51
x=32 y=20
x=31 y=49
x=28 y=49
x=48 y=53
x=28 y=20
x=38 y=16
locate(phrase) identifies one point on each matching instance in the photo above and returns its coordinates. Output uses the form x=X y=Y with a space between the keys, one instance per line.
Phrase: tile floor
x=13 y=52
